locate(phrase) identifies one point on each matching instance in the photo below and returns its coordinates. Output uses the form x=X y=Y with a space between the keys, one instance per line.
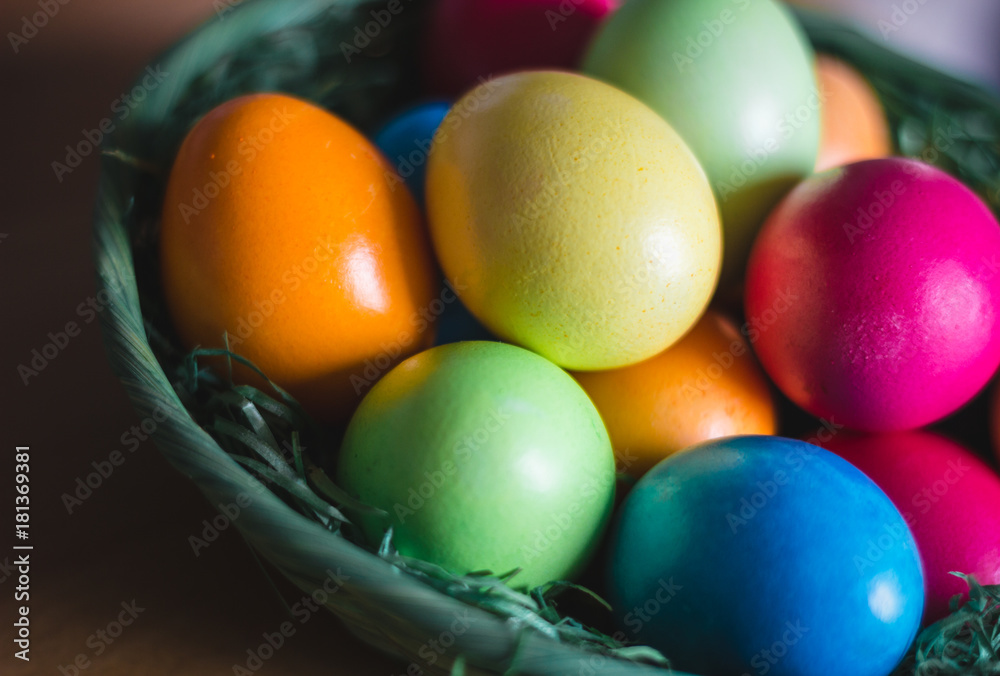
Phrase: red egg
x=874 y=295
x=949 y=498
x=471 y=39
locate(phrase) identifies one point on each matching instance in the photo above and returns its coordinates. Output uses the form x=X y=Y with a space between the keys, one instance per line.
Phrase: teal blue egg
x=762 y=555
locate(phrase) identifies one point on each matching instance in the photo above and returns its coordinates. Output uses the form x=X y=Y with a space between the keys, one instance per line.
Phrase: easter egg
x=706 y=386
x=994 y=422
x=741 y=555
x=406 y=141
x=873 y=292
x=950 y=499
x=854 y=126
x=470 y=40
x=575 y=219
x=484 y=456
x=735 y=78
x=281 y=227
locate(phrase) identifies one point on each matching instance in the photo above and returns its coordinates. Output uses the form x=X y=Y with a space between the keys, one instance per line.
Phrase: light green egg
x=572 y=219
x=735 y=78
x=484 y=456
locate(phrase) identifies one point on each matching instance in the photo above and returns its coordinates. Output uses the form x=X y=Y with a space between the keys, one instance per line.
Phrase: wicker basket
x=298 y=48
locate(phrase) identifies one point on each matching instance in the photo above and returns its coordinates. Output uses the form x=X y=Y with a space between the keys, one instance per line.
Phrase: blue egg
x=763 y=555
x=406 y=141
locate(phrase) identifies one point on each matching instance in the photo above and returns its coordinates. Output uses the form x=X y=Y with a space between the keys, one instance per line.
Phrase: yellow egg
x=572 y=219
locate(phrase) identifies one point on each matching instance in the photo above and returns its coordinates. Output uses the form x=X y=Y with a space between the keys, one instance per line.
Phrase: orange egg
x=284 y=227
x=706 y=386
x=853 y=122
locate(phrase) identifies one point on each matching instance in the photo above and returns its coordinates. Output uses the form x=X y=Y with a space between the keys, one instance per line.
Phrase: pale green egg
x=735 y=78
x=483 y=456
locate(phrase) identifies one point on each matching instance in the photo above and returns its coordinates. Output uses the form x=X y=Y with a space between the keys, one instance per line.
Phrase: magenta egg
x=872 y=295
x=949 y=498
x=471 y=39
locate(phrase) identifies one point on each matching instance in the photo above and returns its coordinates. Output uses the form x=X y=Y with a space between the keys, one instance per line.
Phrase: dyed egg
x=470 y=40
x=485 y=457
x=874 y=292
x=576 y=220
x=950 y=499
x=281 y=228
x=735 y=78
x=706 y=386
x=406 y=141
x=854 y=126
x=744 y=555
x=995 y=423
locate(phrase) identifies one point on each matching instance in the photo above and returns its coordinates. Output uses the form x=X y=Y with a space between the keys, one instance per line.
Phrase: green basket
x=309 y=48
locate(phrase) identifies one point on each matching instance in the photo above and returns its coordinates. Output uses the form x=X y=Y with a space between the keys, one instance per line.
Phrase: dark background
x=129 y=539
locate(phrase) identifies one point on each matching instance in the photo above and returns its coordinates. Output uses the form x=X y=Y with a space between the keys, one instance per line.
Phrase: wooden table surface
x=128 y=542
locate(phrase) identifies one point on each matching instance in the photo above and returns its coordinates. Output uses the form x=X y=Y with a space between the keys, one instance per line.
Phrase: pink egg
x=949 y=498
x=469 y=39
x=872 y=295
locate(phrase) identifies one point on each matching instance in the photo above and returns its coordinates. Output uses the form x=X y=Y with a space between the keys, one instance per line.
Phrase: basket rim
x=193 y=452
